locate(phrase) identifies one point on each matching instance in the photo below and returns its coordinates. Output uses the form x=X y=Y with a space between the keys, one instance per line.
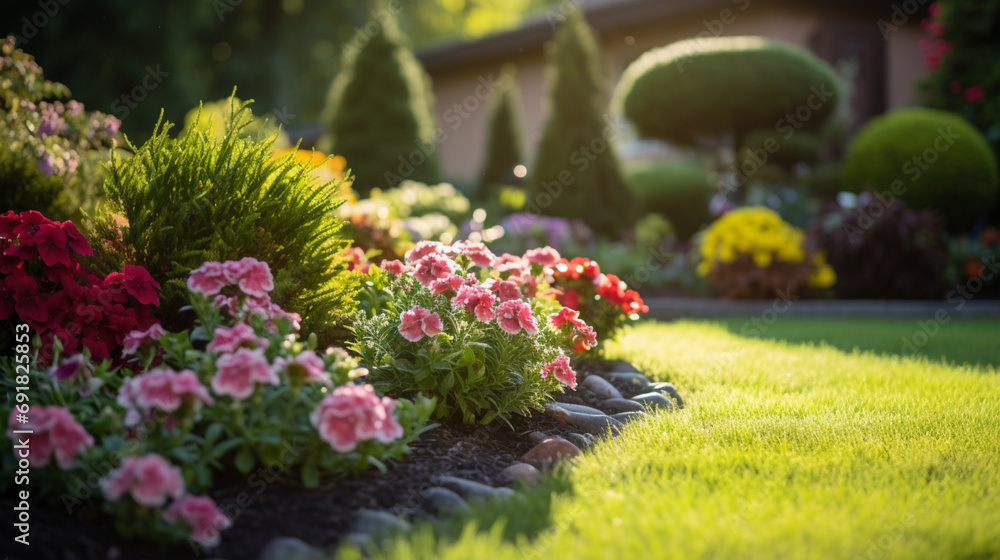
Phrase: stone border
x=666 y=308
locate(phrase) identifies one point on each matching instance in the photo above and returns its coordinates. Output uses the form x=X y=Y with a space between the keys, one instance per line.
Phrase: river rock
x=656 y=400
x=579 y=408
x=637 y=381
x=521 y=471
x=550 y=452
x=621 y=405
x=290 y=548
x=629 y=416
x=580 y=440
x=597 y=424
x=669 y=390
x=376 y=522
x=470 y=489
x=537 y=437
x=600 y=387
x=438 y=500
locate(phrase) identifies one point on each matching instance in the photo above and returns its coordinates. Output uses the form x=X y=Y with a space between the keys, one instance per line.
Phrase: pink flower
x=510 y=264
x=560 y=369
x=478 y=253
x=253 y=277
x=507 y=290
x=934 y=9
x=417 y=322
x=424 y=248
x=150 y=480
x=54 y=429
x=136 y=339
x=394 y=267
x=354 y=413
x=208 y=278
x=932 y=60
x=942 y=46
x=238 y=372
x=163 y=389
x=477 y=301
x=306 y=366
x=442 y=285
x=974 y=93
x=240 y=335
x=545 y=256
x=514 y=315
x=201 y=515
x=432 y=267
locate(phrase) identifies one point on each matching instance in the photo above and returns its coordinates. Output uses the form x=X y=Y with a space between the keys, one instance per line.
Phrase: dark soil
x=263 y=508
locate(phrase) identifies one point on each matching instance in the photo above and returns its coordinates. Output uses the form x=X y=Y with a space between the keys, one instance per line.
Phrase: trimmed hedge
x=941 y=161
x=715 y=86
x=679 y=191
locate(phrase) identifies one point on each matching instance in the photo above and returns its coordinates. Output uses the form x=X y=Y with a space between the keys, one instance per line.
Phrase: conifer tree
x=378 y=111
x=577 y=173
x=503 y=150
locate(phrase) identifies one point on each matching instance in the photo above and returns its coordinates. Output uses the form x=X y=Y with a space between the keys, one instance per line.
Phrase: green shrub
x=679 y=191
x=801 y=147
x=576 y=173
x=711 y=87
x=212 y=118
x=189 y=200
x=503 y=151
x=378 y=113
x=941 y=161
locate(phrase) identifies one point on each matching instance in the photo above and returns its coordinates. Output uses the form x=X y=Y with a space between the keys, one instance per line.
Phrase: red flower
x=28 y=302
x=974 y=94
x=140 y=284
x=561 y=370
x=571 y=299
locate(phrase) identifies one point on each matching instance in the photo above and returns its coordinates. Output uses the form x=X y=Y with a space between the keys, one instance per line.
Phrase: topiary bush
x=503 y=151
x=802 y=147
x=711 y=87
x=884 y=251
x=679 y=191
x=378 y=113
x=934 y=160
x=577 y=173
x=177 y=203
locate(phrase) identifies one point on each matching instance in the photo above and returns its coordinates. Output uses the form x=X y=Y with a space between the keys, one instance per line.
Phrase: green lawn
x=786 y=450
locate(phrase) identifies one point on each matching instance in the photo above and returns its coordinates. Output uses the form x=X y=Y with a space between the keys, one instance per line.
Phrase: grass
x=785 y=450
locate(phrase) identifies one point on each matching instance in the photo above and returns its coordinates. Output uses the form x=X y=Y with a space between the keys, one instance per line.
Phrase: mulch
x=266 y=507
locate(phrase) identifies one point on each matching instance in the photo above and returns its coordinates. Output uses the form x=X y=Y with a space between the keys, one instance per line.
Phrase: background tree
x=378 y=114
x=577 y=173
x=503 y=151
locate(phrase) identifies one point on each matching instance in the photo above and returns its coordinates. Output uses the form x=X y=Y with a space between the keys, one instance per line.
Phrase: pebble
x=657 y=400
x=537 y=437
x=670 y=390
x=375 y=522
x=290 y=548
x=550 y=452
x=591 y=423
x=521 y=471
x=629 y=416
x=439 y=500
x=579 y=408
x=636 y=380
x=600 y=387
x=470 y=489
x=580 y=440
x=621 y=405
x=622 y=365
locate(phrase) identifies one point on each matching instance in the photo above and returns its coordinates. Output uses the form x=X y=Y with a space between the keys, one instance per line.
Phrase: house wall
x=463 y=115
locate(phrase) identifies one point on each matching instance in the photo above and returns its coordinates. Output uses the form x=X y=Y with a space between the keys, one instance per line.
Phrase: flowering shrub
x=751 y=253
x=44 y=284
x=603 y=300
x=479 y=332
x=50 y=149
x=239 y=390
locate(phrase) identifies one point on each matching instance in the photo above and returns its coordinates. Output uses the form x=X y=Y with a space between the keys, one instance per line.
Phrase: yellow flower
x=762 y=259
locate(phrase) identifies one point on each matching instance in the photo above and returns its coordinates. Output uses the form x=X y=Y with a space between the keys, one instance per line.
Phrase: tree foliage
x=503 y=149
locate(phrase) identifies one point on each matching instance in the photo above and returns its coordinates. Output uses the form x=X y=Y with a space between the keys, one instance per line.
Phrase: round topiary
x=802 y=147
x=709 y=87
x=931 y=159
x=679 y=191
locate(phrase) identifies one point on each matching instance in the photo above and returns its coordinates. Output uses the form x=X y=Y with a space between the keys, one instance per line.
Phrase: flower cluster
x=252 y=281
x=53 y=431
x=750 y=252
x=43 y=282
x=354 y=413
x=603 y=300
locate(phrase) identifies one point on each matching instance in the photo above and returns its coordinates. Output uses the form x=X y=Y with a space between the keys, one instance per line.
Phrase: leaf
x=212 y=433
x=468 y=355
x=377 y=464
x=202 y=475
x=448 y=382
x=269 y=437
x=244 y=460
x=224 y=447
x=310 y=475
x=185 y=454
